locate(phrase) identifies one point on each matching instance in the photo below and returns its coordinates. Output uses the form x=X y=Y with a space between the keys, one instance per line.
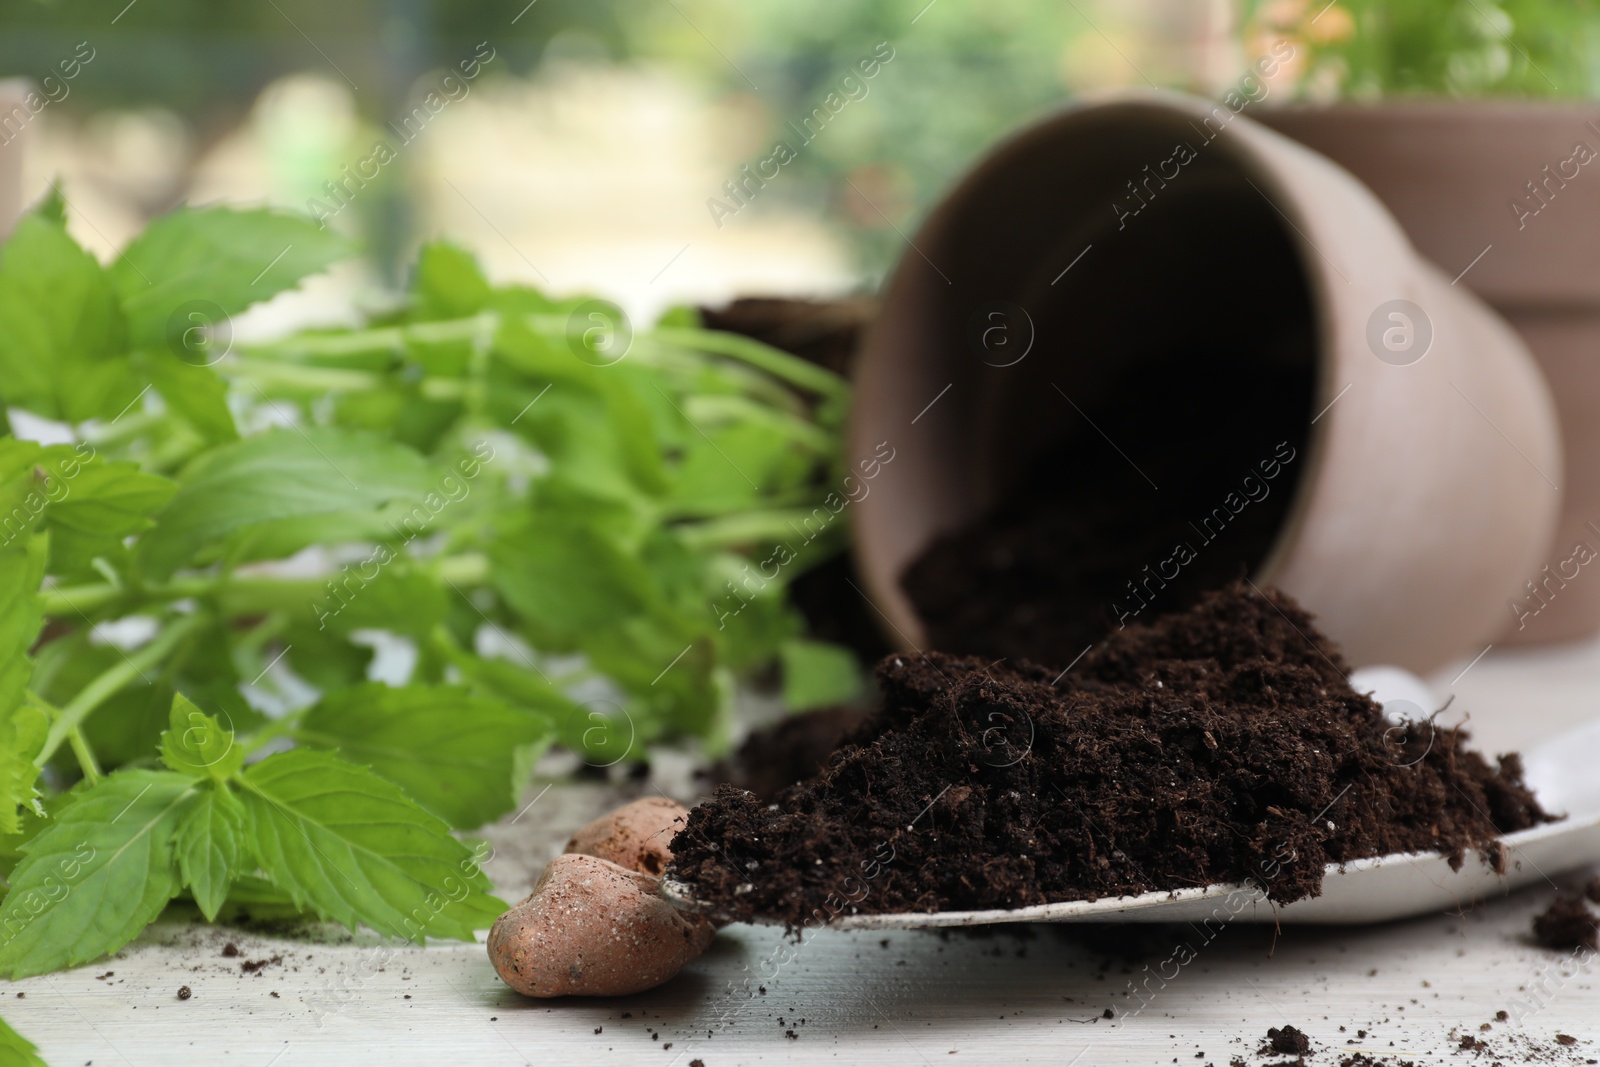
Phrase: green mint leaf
x=16 y=1050
x=674 y=679
x=519 y=687
x=22 y=484
x=52 y=206
x=21 y=614
x=99 y=873
x=455 y=754
x=326 y=660
x=23 y=725
x=680 y=316
x=198 y=745
x=281 y=538
x=62 y=335
x=211 y=847
x=23 y=731
x=447 y=284
x=282 y=474
x=215 y=260
x=350 y=846
x=817 y=674
x=196 y=394
x=372 y=594
x=94 y=505
x=602 y=431
x=100 y=497
x=567 y=579
x=261 y=896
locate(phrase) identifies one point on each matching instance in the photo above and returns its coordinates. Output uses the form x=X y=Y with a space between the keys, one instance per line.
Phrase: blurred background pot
x=1117 y=234
x=1504 y=195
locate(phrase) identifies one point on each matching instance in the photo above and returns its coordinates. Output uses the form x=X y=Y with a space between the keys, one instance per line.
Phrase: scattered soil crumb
x=1287 y=1040
x=1567 y=924
x=255 y=966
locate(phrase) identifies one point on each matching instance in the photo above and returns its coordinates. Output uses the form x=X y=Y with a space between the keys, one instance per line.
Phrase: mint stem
x=236 y=595
x=105 y=685
x=85 y=755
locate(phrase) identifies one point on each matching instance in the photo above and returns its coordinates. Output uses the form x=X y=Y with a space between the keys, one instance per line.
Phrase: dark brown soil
x=775 y=757
x=1287 y=1040
x=828 y=596
x=1218 y=745
x=1567 y=924
x=1085 y=540
x=826 y=332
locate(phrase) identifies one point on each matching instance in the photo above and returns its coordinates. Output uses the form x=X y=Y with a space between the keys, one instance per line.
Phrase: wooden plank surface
x=1033 y=995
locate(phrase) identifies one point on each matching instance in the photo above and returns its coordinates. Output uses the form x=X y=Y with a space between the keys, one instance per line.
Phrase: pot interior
x=1150 y=442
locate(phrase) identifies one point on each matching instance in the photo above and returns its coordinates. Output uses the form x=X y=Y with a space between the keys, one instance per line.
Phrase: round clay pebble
x=636 y=835
x=593 y=928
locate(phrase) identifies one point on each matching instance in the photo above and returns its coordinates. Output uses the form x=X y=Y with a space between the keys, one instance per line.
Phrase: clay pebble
x=636 y=836
x=593 y=928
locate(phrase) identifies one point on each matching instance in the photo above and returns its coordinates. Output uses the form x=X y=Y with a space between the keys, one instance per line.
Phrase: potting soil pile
x=1221 y=744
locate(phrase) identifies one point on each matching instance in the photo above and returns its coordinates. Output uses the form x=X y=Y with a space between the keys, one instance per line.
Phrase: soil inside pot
x=1221 y=744
x=1149 y=446
x=1089 y=539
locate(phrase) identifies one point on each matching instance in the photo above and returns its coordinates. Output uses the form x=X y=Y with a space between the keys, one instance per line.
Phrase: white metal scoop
x=1564 y=773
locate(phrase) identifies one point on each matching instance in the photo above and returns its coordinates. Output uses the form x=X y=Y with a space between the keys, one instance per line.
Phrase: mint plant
x=542 y=502
x=1370 y=49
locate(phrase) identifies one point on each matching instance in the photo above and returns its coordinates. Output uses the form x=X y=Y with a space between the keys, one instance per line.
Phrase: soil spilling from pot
x=1221 y=744
x=1092 y=536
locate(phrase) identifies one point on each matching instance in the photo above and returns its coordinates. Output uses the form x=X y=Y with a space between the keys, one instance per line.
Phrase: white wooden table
x=921 y=999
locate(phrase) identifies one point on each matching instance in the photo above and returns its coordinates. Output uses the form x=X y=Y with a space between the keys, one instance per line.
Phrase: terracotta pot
x=1498 y=193
x=1421 y=502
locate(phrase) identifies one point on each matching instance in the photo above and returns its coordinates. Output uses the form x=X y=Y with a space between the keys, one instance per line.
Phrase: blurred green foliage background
x=964 y=73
